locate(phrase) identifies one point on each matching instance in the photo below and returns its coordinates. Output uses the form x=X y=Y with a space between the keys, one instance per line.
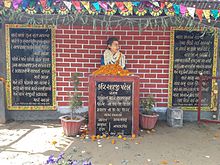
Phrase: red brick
x=58 y=41
x=164 y=47
x=151 y=47
x=82 y=32
x=62 y=36
x=150 y=75
x=164 y=38
x=162 y=66
x=100 y=47
x=120 y=33
x=69 y=51
x=89 y=46
x=156 y=71
x=59 y=31
x=132 y=61
x=63 y=64
x=76 y=65
x=83 y=60
x=76 y=46
x=124 y=38
x=155 y=90
x=59 y=69
x=132 y=42
x=63 y=103
x=144 y=61
x=82 y=51
x=82 y=41
x=59 y=98
x=82 y=69
x=133 y=33
x=162 y=76
x=95 y=51
x=138 y=65
x=59 y=50
x=139 y=38
x=157 y=33
x=62 y=84
x=150 y=85
x=150 y=66
x=162 y=85
x=94 y=42
x=76 y=36
x=95 y=32
x=69 y=41
x=69 y=32
x=155 y=80
x=144 y=52
x=64 y=55
x=151 y=38
x=162 y=95
x=64 y=74
x=88 y=37
x=69 y=60
x=59 y=59
x=70 y=69
x=156 y=61
x=89 y=65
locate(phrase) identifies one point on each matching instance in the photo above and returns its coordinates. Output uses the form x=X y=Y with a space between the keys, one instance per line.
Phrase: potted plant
x=148 y=117
x=71 y=123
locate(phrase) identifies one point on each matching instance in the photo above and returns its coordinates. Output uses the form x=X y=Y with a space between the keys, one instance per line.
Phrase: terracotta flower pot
x=148 y=121
x=71 y=127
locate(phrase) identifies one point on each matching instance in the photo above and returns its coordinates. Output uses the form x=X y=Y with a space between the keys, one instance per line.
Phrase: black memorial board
x=193 y=53
x=30 y=64
x=114 y=108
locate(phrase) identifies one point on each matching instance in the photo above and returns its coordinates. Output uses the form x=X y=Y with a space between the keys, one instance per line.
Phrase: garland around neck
x=110 y=58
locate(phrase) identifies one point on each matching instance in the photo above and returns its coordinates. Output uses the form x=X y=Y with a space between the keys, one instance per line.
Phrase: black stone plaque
x=114 y=108
x=193 y=55
x=31 y=72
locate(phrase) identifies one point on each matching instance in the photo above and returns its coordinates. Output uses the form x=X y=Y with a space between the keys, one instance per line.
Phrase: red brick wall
x=147 y=55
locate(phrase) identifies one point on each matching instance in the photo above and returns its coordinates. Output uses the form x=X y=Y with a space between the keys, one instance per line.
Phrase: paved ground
x=33 y=142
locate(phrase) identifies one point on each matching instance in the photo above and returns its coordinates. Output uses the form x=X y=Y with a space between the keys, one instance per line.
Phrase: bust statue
x=112 y=53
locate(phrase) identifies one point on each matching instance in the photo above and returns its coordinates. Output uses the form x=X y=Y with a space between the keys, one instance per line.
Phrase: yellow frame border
x=8 y=65
x=171 y=62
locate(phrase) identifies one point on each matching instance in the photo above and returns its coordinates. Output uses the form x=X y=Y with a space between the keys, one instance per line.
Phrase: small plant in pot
x=148 y=117
x=71 y=123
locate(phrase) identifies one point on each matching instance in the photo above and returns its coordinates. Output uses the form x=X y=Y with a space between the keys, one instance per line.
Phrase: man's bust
x=112 y=53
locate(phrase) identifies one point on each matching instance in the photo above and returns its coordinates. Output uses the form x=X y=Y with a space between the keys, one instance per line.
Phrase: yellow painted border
x=8 y=65
x=171 y=62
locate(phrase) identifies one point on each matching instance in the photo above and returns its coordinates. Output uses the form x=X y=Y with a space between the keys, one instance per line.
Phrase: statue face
x=114 y=47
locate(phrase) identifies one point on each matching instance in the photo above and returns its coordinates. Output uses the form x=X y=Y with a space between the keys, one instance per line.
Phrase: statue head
x=113 y=44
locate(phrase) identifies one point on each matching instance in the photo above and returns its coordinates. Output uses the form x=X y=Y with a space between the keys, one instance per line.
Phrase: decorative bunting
x=135 y=3
x=68 y=4
x=191 y=11
x=162 y=5
x=176 y=9
x=77 y=5
x=16 y=4
x=120 y=6
x=199 y=13
x=125 y=8
x=215 y=14
x=207 y=15
x=7 y=3
x=183 y=10
x=129 y=6
x=104 y=5
x=96 y=6
x=43 y=3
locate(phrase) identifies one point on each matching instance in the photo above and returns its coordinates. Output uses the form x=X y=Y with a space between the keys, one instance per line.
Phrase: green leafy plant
x=147 y=105
x=75 y=96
